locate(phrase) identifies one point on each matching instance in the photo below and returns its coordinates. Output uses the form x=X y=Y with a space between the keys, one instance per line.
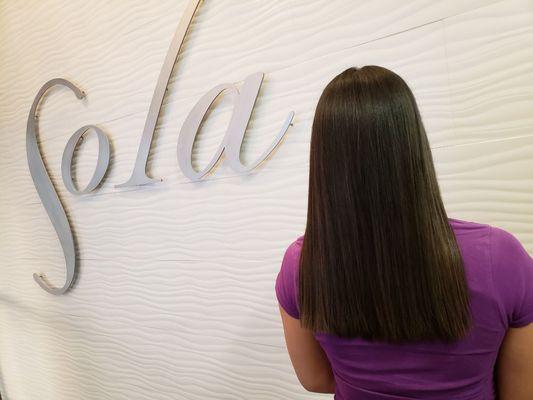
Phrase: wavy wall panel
x=175 y=298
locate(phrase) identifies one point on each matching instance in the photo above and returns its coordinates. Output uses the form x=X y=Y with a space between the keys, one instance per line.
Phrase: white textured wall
x=176 y=292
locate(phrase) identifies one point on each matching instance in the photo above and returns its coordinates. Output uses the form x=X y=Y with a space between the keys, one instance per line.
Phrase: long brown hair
x=379 y=258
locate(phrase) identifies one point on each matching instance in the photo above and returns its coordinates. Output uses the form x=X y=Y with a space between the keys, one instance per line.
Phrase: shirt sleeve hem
x=290 y=313
x=524 y=321
x=285 y=307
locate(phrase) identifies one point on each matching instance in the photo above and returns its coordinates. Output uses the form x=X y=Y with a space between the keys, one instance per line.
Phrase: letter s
x=47 y=192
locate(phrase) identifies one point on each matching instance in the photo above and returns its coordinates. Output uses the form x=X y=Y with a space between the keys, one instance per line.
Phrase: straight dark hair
x=379 y=258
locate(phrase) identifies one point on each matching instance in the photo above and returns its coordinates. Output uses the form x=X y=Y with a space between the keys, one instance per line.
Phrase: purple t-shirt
x=499 y=273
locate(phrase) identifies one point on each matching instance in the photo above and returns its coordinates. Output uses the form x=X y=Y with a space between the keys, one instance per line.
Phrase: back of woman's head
x=379 y=258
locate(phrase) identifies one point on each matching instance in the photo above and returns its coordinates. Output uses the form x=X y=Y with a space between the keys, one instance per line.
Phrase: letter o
x=101 y=164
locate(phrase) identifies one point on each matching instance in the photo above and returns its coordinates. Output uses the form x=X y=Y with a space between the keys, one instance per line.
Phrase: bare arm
x=310 y=363
x=515 y=365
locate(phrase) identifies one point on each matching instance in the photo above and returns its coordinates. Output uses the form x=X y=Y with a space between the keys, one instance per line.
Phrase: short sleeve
x=287 y=280
x=512 y=272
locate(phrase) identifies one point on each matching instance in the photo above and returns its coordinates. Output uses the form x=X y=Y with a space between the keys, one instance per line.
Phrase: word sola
x=244 y=101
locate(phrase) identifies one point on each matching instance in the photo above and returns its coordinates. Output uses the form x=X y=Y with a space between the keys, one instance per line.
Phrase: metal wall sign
x=244 y=102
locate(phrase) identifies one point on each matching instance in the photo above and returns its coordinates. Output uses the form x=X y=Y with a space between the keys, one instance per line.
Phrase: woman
x=384 y=296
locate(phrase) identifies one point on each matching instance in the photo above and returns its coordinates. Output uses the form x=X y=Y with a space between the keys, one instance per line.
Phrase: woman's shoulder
x=512 y=273
x=463 y=226
x=295 y=244
x=293 y=250
x=507 y=253
x=287 y=279
x=473 y=239
x=490 y=248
